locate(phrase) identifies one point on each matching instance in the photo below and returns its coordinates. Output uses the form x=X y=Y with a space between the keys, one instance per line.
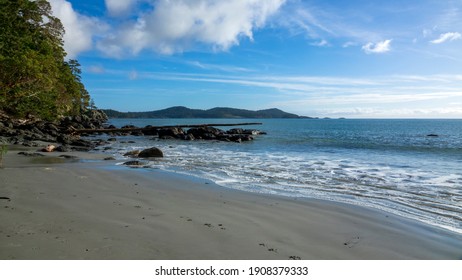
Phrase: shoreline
x=82 y=209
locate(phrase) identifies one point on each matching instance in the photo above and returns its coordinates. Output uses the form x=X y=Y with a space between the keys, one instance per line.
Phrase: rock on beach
x=151 y=152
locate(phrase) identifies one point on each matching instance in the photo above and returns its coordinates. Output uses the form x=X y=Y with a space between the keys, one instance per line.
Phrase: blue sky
x=354 y=59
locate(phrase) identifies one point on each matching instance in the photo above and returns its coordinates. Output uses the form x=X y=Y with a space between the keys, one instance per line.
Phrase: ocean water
x=392 y=165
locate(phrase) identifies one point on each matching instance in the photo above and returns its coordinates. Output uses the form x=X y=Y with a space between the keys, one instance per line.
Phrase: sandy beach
x=86 y=208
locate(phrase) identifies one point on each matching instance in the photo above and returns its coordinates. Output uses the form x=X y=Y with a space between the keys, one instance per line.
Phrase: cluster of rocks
x=26 y=131
x=67 y=133
x=196 y=133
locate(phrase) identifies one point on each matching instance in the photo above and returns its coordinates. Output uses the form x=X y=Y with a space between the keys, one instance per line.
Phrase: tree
x=34 y=76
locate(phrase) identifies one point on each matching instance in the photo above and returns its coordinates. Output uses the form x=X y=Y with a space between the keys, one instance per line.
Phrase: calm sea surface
x=391 y=165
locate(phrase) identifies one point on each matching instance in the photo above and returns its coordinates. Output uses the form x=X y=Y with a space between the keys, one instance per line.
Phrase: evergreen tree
x=34 y=77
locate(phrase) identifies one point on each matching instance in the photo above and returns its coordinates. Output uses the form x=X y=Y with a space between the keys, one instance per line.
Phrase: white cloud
x=380 y=47
x=349 y=44
x=322 y=43
x=79 y=29
x=219 y=67
x=176 y=26
x=450 y=36
x=388 y=89
x=120 y=7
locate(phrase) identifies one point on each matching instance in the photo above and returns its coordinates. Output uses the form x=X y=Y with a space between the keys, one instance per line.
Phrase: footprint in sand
x=352 y=242
x=269 y=249
x=188 y=219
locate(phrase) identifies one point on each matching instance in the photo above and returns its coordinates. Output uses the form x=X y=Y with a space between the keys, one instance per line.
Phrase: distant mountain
x=180 y=112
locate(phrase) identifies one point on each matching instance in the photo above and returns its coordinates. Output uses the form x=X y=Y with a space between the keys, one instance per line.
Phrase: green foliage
x=34 y=77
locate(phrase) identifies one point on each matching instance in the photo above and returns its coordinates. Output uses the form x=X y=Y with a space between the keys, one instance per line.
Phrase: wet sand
x=58 y=208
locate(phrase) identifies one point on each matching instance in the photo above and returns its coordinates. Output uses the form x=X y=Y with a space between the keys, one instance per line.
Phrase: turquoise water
x=392 y=165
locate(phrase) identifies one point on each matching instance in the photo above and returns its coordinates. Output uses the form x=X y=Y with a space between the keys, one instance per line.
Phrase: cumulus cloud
x=178 y=25
x=450 y=36
x=120 y=7
x=79 y=29
x=380 y=47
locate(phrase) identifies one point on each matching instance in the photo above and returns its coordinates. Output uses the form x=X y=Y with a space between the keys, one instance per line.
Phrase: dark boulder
x=151 y=152
x=175 y=132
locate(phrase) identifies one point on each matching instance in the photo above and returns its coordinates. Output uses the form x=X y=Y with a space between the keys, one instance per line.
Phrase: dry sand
x=69 y=209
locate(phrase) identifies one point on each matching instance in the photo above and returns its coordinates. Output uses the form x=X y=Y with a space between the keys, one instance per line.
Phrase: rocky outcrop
x=195 y=133
x=23 y=131
x=92 y=119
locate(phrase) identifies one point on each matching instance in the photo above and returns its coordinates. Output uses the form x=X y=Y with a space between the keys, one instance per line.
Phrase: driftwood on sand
x=150 y=128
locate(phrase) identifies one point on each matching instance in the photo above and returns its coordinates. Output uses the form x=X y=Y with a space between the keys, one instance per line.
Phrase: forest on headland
x=35 y=77
x=180 y=112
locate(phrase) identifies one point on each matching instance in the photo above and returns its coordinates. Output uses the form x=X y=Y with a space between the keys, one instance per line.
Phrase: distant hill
x=181 y=112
